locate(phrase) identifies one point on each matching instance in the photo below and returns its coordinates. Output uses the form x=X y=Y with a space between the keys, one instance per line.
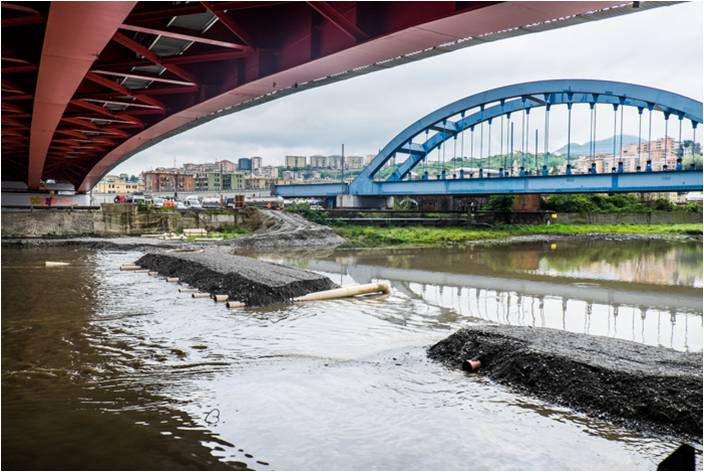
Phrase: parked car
x=211 y=202
x=158 y=202
x=137 y=197
x=191 y=199
x=193 y=202
x=181 y=206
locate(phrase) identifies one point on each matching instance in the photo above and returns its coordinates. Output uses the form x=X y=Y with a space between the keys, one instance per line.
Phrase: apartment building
x=219 y=181
x=661 y=152
x=295 y=162
x=318 y=162
x=167 y=181
x=269 y=171
x=119 y=185
x=256 y=163
x=354 y=162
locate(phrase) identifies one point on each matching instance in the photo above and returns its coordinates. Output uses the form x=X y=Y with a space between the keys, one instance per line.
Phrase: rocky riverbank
x=643 y=386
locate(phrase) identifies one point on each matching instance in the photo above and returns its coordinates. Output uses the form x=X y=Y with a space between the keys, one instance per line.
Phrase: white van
x=192 y=201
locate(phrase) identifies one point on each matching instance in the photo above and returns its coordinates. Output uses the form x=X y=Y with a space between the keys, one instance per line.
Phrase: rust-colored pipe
x=471 y=365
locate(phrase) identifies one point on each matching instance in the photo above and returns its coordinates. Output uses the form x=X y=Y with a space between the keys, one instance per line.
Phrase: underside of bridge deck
x=86 y=85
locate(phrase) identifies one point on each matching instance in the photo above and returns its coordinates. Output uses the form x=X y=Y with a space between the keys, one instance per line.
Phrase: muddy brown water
x=109 y=369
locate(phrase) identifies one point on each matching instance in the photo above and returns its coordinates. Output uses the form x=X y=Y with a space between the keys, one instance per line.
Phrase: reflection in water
x=678 y=330
x=642 y=291
x=647 y=262
x=97 y=362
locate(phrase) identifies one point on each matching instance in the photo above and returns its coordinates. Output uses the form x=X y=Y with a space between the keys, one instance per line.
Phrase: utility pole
x=176 y=183
x=342 y=172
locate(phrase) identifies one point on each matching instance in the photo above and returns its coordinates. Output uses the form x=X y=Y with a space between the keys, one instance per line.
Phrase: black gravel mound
x=644 y=385
x=244 y=279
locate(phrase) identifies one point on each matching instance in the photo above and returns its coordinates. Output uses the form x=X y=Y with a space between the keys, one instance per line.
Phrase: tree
x=500 y=203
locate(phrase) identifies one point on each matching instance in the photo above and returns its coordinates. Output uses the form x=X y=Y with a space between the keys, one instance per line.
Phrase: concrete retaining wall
x=656 y=217
x=48 y=223
x=115 y=220
x=121 y=219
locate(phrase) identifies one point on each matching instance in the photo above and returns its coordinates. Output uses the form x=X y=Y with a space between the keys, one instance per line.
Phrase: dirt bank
x=284 y=230
x=644 y=386
x=244 y=279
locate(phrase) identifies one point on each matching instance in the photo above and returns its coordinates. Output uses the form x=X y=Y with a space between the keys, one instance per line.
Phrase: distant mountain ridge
x=603 y=145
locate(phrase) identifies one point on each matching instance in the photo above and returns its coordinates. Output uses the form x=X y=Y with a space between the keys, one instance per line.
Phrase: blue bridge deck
x=674 y=181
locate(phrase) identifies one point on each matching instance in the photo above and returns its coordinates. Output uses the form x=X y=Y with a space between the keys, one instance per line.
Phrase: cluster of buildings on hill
x=663 y=154
x=248 y=173
x=333 y=162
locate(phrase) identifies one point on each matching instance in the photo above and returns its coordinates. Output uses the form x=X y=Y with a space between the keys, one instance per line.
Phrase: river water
x=110 y=369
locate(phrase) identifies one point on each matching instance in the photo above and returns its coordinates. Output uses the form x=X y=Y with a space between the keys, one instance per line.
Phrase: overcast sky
x=661 y=48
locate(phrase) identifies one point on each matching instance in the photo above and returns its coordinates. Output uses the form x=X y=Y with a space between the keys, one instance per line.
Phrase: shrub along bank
x=618 y=203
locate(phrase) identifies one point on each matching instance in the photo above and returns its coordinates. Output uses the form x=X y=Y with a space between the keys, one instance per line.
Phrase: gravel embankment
x=645 y=386
x=244 y=279
x=286 y=230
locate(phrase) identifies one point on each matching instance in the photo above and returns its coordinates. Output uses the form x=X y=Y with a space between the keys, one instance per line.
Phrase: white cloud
x=661 y=48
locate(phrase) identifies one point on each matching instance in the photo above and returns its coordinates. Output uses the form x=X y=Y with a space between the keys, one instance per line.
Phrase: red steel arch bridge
x=86 y=85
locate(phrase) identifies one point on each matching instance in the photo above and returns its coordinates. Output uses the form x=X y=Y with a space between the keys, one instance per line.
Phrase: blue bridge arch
x=464 y=114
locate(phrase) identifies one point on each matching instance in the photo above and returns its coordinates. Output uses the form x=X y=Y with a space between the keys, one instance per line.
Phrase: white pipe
x=129 y=267
x=153 y=273
x=172 y=279
x=187 y=290
x=55 y=264
x=345 y=292
x=200 y=295
x=233 y=304
x=220 y=298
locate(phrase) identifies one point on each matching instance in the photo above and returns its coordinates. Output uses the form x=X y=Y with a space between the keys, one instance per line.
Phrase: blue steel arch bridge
x=508 y=106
